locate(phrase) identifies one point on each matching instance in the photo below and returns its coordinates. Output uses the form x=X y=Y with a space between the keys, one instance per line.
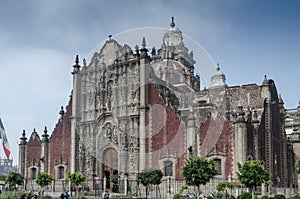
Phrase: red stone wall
x=33 y=151
x=60 y=141
x=217 y=133
x=167 y=131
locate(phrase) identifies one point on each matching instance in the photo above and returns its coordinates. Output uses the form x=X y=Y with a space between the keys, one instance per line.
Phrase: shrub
x=245 y=195
x=279 y=196
x=264 y=197
x=178 y=196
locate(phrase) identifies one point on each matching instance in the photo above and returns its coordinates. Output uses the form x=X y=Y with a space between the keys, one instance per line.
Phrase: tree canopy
x=197 y=171
x=76 y=179
x=43 y=179
x=150 y=176
x=14 y=179
x=252 y=173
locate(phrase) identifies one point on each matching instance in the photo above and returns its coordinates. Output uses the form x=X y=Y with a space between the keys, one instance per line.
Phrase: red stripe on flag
x=6 y=150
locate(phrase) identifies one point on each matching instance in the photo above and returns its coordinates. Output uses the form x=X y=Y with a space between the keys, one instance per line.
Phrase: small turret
x=218 y=79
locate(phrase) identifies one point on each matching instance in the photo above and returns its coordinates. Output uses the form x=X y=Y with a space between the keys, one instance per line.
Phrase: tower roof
x=218 y=79
x=173 y=36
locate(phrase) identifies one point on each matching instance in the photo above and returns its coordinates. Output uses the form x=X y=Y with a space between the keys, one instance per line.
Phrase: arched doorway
x=110 y=169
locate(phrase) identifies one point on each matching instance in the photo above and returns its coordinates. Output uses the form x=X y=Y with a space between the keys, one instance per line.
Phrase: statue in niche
x=109 y=132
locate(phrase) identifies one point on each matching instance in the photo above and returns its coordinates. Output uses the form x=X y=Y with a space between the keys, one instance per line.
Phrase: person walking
x=105 y=195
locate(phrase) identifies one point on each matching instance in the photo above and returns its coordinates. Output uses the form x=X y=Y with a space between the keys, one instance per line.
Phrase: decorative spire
x=240 y=114
x=137 y=49
x=255 y=117
x=172 y=23
x=76 y=66
x=218 y=67
x=265 y=82
x=23 y=138
x=144 y=43
x=84 y=62
x=144 y=50
x=45 y=135
x=153 y=52
x=61 y=112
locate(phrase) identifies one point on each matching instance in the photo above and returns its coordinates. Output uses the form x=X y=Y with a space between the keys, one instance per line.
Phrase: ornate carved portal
x=110 y=168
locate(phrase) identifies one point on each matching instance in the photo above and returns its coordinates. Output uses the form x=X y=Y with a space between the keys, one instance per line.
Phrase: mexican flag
x=5 y=144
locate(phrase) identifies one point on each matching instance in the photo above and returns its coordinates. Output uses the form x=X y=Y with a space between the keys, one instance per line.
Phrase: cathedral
x=139 y=108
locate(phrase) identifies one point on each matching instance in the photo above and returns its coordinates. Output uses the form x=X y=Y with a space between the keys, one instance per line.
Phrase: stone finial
x=84 y=62
x=61 y=112
x=144 y=43
x=265 y=82
x=76 y=66
x=240 y=114
x=218 y=67
x=45 y=135
x=109 y=37
x=153 y=52
x=172 y=24
x=192 y=54
x=144 y=50
x=23 y=138
x=137 y=49
x=23 y=134
x=255 y=117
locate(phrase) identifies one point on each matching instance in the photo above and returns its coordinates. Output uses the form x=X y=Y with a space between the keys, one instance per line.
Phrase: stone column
x=240 y=140
x=75 y=107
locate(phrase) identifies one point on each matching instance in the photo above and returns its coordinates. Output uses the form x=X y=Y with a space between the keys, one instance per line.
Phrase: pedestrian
x=105 y=195
x=66 y=196
x=23 y=196
x=62 y=196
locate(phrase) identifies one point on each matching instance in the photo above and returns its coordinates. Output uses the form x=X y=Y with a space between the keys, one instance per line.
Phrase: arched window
x=168 y=168
x=218 y=166
x=61 y=172
x=33 y=173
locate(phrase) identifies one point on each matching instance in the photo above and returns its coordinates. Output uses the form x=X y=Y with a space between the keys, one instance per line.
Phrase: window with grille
x=33 y=173
x=218 y=166
x=168 y=168
x=61 y=172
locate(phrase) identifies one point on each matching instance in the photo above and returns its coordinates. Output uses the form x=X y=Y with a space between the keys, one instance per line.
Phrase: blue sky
x=39 y=40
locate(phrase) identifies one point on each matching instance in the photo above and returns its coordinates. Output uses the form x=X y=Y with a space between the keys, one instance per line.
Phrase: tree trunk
x=252 y=192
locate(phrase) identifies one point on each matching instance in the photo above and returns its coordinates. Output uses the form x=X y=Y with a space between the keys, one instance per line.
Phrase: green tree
x=150 y=176
x=43 y=179
x=76 y=179
x=197 y=171
x=14 y=179
x=223 y=187
x=252 y=174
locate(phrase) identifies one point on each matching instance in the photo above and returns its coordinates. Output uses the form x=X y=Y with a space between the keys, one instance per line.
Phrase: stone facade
x=134 y=109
